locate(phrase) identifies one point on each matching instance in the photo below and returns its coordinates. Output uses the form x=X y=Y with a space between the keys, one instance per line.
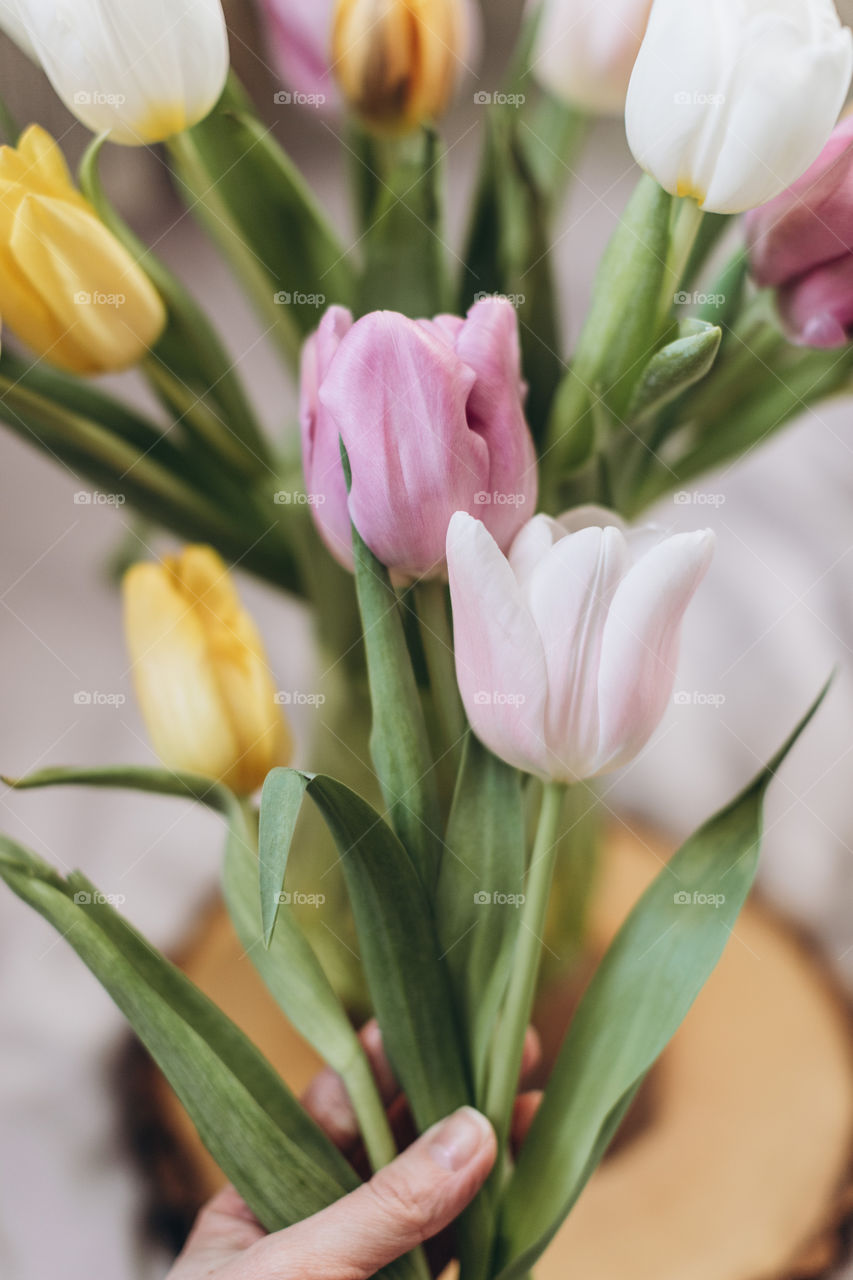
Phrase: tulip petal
x=585 y=51
x=397 y=395
x=569 y=595
x=488 y=343
x=817 y=310
x=321 y=449
x=141 y=74
x=500 y=664
x=640 y=643
x=302 y=40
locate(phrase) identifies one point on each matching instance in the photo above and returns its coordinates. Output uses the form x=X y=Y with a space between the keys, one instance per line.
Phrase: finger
x=225 y=1226
x=326 y=1099
x=407 y=1202
x=523 y=1115
x=531 y=1054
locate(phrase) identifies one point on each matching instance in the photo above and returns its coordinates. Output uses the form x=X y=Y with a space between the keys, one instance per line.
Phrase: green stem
x=686 y=223
x=518 y=1006
x=437 y=637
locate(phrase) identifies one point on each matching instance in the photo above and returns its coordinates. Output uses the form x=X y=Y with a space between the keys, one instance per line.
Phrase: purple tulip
x=566 y=648
x=801 y=244
x=432 y=416
x=301 y=36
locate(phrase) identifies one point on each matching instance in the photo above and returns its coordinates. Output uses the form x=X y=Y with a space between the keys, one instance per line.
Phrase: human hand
x=410 y=1201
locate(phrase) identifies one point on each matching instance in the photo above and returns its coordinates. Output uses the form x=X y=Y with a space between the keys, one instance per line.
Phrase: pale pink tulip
x=301 y=38
x=801 y=244
x=432 y=416
x=566 y=648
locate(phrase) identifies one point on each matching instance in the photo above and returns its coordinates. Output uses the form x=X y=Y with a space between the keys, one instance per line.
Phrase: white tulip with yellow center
x=138 y=70
x=201 y=672
x=731 y=101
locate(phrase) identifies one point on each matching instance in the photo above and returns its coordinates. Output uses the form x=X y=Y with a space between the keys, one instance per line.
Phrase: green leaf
x=399 y=949
x=482 y=866
x=189 y=348
x=295 y=978
x=621 y=329
x=278 y=1159
x=399 y=742
x=280 y=804
x=641 y=993
x=189 y=786
x=258 y=208
x=404 y=257
x=674 y=368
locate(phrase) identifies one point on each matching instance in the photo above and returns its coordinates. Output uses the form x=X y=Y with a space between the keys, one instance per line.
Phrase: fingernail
x=456 y=1140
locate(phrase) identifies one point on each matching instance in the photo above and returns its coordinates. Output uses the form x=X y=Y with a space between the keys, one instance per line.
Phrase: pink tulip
x=801 y=243
x=566 y=648
x=431 y=414
x=301 y=36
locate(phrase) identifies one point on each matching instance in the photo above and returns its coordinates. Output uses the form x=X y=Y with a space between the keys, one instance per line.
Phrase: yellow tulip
x=397 y=61
x=68 y=288
x=201 y=671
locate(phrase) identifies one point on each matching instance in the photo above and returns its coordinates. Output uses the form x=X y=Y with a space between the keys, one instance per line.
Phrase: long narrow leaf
x=640 y=995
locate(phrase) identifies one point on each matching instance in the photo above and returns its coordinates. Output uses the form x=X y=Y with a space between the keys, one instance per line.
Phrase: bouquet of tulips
x=462 y=521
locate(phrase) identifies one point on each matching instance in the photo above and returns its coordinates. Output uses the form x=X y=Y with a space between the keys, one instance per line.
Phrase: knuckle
x=399 y=1201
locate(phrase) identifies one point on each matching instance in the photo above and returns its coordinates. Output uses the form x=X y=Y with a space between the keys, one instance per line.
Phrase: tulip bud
x=585 y=51
x=139 y=71
x=301 y=38
x=397 y=61
x=566 y=649
x=731 y=101
x=201 y=672
x=69 y=289
x=801 y=244
x=431 y=414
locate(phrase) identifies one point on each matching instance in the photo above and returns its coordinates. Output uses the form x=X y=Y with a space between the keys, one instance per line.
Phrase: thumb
x=407 y=1202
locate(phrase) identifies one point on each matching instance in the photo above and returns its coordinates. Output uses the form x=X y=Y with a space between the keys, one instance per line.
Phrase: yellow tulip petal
x=186 y=626
x=96 y=291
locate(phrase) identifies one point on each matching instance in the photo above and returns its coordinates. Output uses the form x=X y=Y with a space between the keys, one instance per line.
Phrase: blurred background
x=775 y=617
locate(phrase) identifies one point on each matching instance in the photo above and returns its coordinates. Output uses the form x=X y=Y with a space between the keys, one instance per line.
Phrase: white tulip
x=731 y=100
x=15 y=28
x=585 y=50
x=139 y=70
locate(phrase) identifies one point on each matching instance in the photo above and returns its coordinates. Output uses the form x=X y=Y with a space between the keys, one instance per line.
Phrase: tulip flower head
x=68 y=288
x=398 y=61
x=431 y=413
x=586 y=49
x=566 y=648
x=730 y=102
x=301 y=35
x=801 y=244
x=138 y=70
x=201 y=672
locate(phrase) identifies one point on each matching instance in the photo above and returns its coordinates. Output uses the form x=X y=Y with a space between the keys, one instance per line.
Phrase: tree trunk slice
x=736 y=1163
